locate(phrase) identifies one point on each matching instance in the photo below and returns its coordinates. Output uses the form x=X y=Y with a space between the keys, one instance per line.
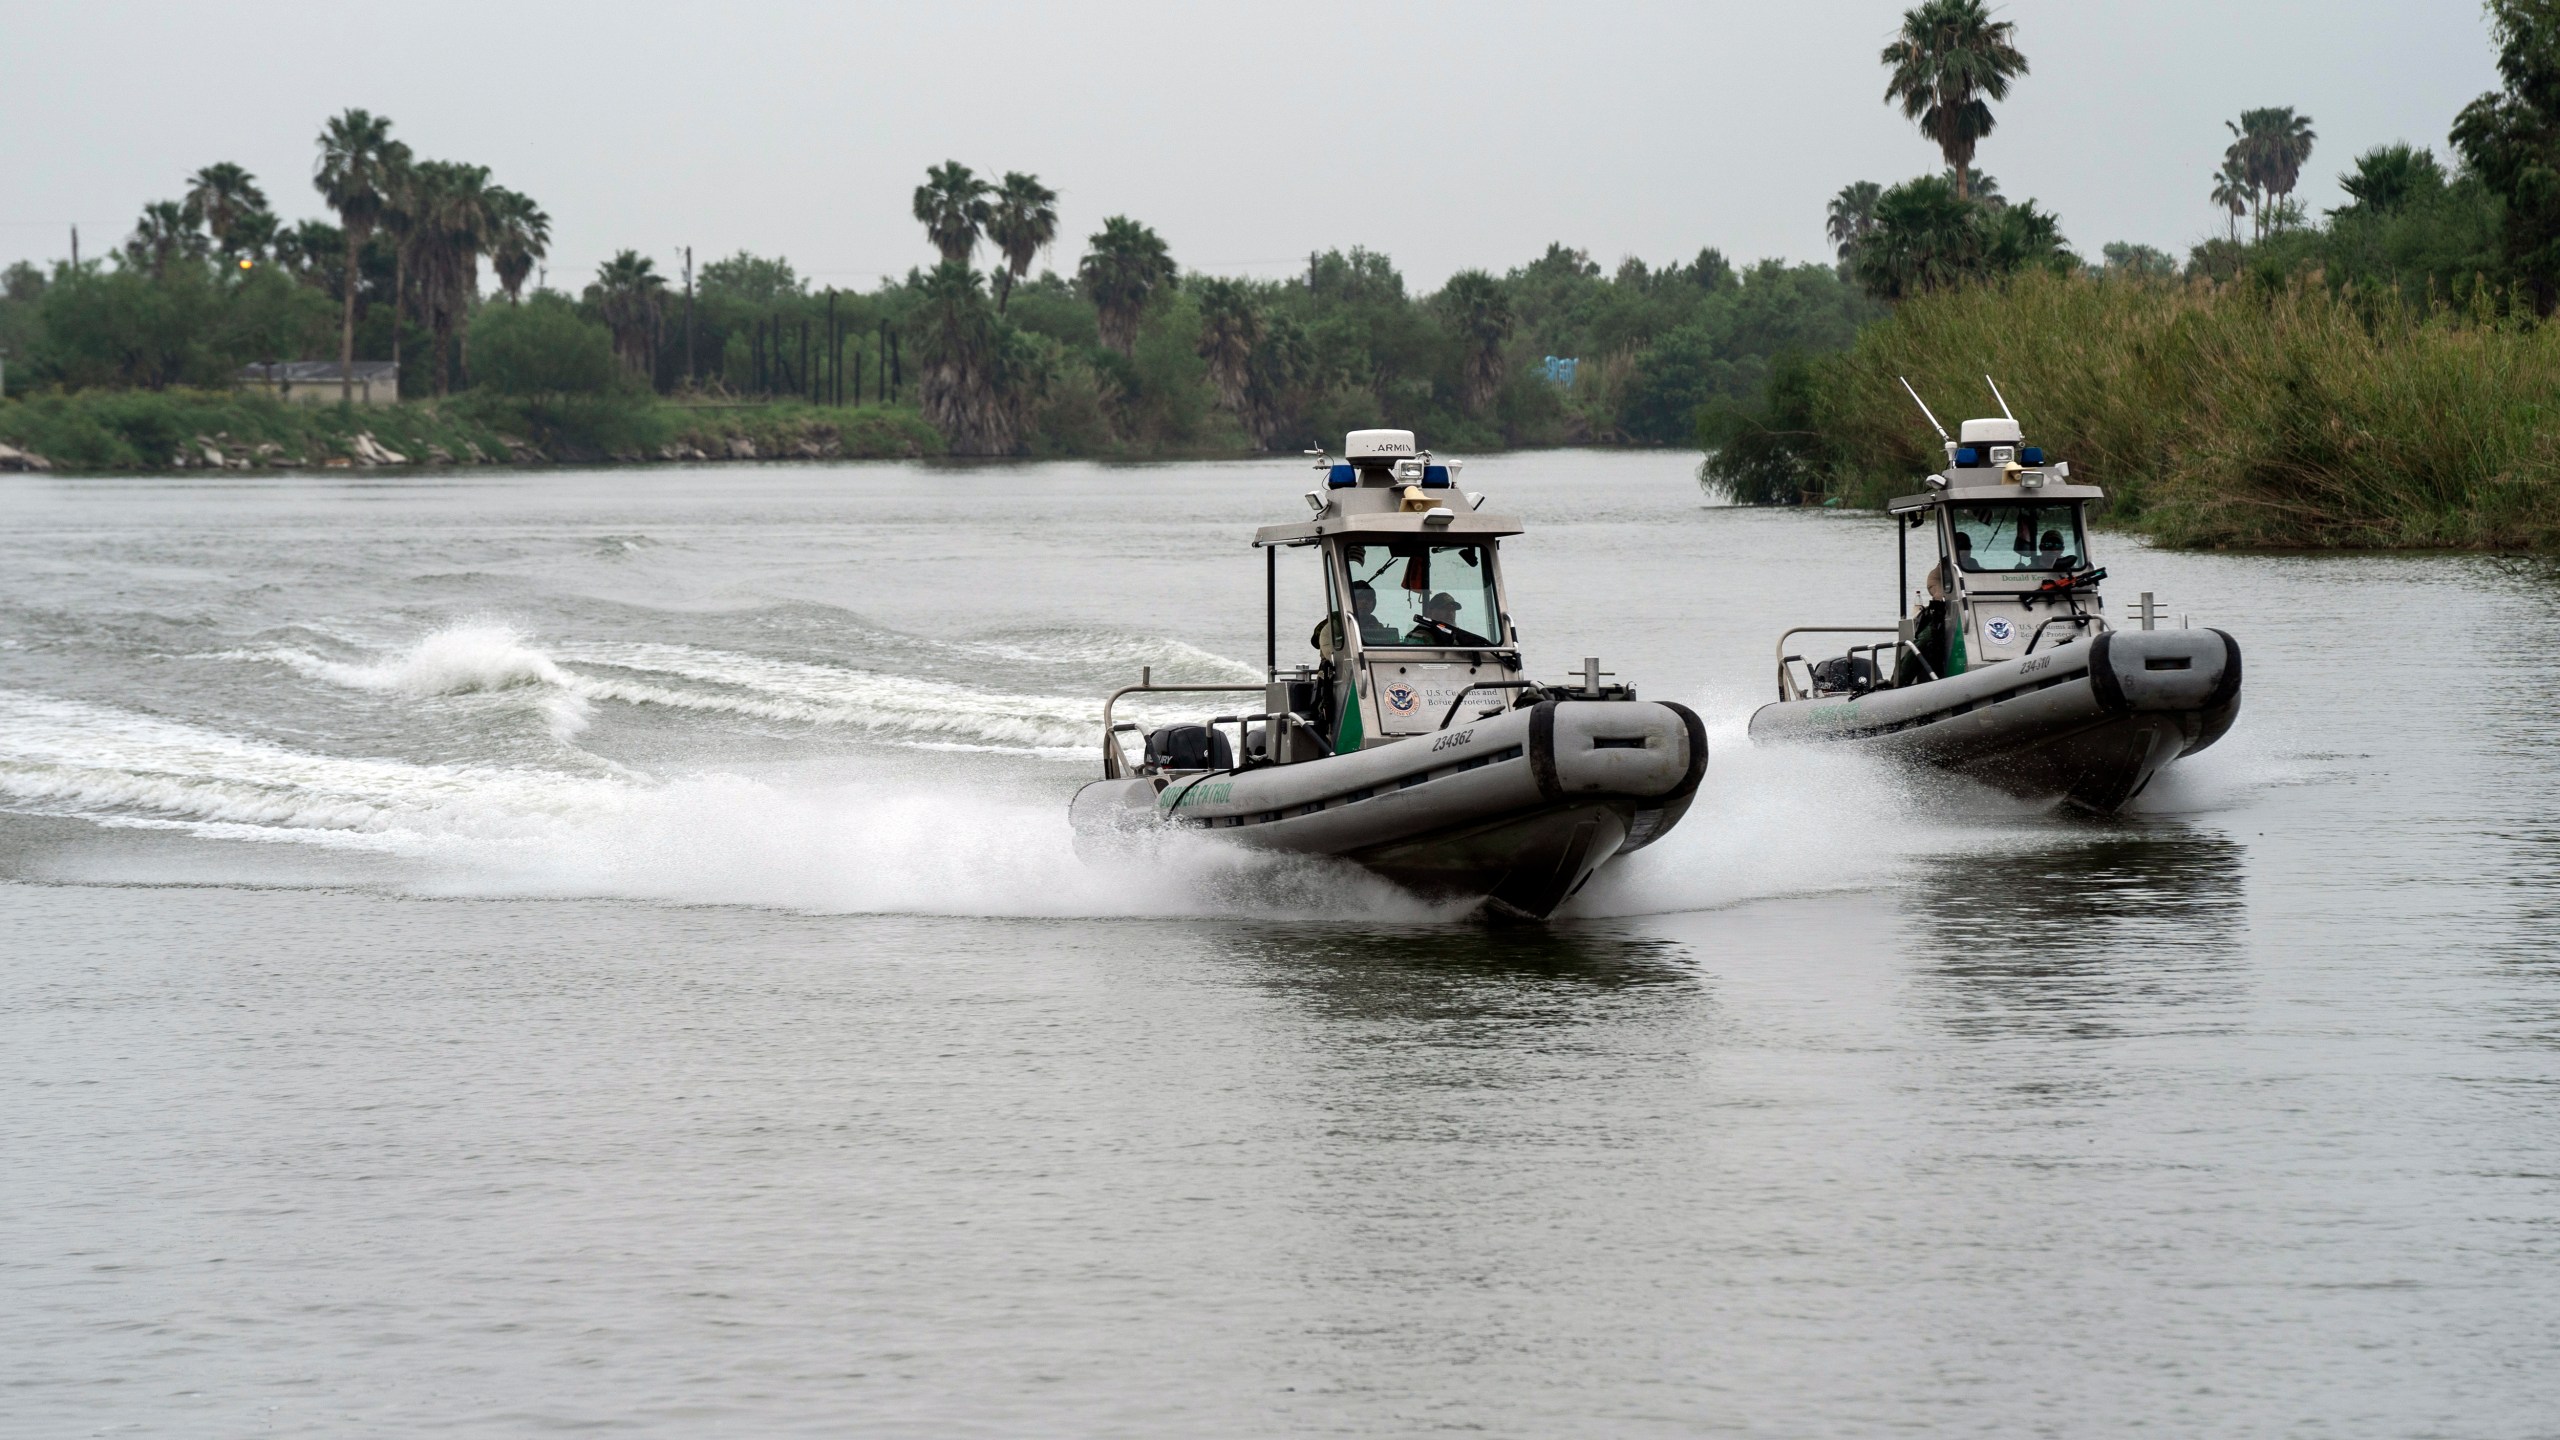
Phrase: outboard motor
x=1844 y=674
x=1189 y=747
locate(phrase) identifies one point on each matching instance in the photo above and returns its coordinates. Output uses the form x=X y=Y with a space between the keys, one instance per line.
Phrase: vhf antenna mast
x=1924 y=409
x=2003 y=399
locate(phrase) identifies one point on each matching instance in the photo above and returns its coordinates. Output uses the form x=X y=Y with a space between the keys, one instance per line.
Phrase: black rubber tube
x=2103 y=681
x=1697 y=774
x=1542 y=750
x=2228 y=686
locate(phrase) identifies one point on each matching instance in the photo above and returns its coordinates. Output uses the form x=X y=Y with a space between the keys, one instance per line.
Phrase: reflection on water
x=2122 y=928
x=1434 y=965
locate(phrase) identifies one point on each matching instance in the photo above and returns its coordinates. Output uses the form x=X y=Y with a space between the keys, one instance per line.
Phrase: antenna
x=1996 y=395
x=1924 y=409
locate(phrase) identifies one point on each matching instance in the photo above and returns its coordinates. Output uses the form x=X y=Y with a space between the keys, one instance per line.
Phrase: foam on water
x=898 y=842
x=910 y=834
x=1796 y=820
x=563 y=687
x=475 y=658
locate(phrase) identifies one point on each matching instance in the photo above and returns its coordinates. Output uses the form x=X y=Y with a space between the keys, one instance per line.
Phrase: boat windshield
x=2016 y=535
x=1423 y=592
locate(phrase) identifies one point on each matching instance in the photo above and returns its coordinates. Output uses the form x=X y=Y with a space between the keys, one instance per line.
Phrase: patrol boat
x=2006 y=669
x=1417 y=746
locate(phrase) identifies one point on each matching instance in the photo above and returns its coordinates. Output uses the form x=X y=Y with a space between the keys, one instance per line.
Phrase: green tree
x=1022 y=223
x=2141 y=262
x=1230 y=330
x=397 y=222
x=2510 y=138
x=309 y=252
x=1476 y=309
x=228 y=198
x=1852 y=218
x=951 y=204
x=752 y=280
x=1927 y=237
x=165 y=235
x=2391 y=178
x=1125 y=268
x=449 y=228
x=1948 y=62
x=960 y=348
x=2233 y=192
x=2270 y=147
x=355 y=151
x=519 y=235
x=541 y=350
x=630 y=295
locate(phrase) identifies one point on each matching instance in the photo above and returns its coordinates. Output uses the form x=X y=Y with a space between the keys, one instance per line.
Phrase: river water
x=499 y=953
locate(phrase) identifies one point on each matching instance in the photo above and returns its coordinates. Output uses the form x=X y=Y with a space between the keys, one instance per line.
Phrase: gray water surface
x=502 y=953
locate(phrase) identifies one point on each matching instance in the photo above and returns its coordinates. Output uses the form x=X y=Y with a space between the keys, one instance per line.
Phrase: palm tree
x=952 y=206
x=308 y=252
x=226 y=196
x=960 y=349
x=398 y=220
x=631 y=295
x=2233 y=192
x=519 y=235
x=1926 y=237
x=1852 y=218
x=2271 y=146
x=1022 y=224
x=1478 y=309
x=1125 y=267
x=166 y=232
x=1230 y=328
x=1949 y=55
x=353 y=153
x=449 y=228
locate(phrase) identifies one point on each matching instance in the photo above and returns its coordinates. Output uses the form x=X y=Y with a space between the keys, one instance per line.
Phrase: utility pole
x=688 y=317
x=75 y=247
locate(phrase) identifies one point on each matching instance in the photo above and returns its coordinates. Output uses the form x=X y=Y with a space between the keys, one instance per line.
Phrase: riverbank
x=124 y=431
x=2218 y=416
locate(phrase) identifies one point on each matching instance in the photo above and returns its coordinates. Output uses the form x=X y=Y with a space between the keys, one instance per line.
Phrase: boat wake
x=891 y=829
x=894 y=842
x=565 y=687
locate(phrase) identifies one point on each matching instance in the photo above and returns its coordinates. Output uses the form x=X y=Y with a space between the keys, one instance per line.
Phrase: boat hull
x=1517 y=811
x=2088 y=723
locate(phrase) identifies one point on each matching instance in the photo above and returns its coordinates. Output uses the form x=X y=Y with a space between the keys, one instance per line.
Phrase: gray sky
x=1446 y=135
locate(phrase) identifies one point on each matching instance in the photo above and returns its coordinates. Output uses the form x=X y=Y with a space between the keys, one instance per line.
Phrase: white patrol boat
x=2005 y=669
x=1418 y=747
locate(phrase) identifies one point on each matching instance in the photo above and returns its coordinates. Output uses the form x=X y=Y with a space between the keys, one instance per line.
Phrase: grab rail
x=1115 y=766
x=1786 y=683
x=2099 y=620
x=1485 y=685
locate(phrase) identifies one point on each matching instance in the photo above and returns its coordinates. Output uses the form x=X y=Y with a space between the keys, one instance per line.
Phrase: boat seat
x=1189 y=747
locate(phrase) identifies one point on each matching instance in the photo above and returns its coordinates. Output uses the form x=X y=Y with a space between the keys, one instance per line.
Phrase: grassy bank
x=2233 y=415
x=142 y=430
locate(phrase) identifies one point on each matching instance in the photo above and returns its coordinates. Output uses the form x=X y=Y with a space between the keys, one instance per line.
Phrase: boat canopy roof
x=1981 y=494
x=1469 y=526
x=1388 y=487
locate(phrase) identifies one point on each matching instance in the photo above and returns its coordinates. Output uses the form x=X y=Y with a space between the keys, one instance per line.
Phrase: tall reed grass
x=2236 y=415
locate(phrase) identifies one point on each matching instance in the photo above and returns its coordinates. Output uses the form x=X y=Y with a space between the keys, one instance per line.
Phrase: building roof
x=307 y=372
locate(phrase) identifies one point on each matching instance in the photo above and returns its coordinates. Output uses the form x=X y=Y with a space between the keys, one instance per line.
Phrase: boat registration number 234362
x=1453 y=738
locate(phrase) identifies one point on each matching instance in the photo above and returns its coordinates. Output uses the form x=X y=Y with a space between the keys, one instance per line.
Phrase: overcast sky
x=1447 y=136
